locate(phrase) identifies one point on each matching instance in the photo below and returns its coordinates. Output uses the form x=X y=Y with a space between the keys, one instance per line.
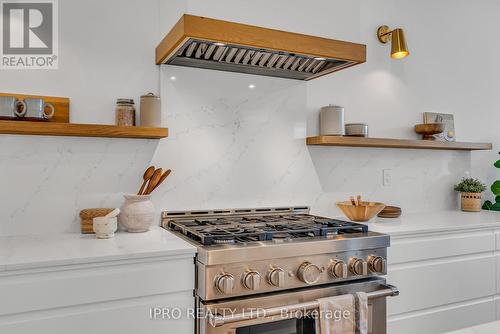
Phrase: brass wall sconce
x=399 y=49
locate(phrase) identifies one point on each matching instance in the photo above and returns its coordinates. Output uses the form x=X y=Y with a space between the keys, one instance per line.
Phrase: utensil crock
x=137 y=213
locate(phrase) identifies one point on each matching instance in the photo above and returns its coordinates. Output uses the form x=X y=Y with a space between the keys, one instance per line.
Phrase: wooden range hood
x=227 y=46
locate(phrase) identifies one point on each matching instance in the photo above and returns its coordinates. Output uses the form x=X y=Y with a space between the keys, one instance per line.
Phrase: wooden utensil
x=153 y=181
x=147 y=175
x=162 y=178
x=356 y=201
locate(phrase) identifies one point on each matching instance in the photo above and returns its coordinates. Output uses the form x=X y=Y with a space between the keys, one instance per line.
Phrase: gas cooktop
x=241 y=252
x=258 y=226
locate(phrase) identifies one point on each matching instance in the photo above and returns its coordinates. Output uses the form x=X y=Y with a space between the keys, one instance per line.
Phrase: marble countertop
x=36 y=251
x=488 y=328
x=440 y=221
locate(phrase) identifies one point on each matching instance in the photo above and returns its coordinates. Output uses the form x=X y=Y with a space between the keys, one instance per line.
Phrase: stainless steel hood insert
x=234 y=58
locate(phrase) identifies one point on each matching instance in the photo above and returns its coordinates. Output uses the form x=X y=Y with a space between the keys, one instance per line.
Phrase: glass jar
x=125 y=112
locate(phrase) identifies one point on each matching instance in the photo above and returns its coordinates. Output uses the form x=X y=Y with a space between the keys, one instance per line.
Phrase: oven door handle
x=218 y=320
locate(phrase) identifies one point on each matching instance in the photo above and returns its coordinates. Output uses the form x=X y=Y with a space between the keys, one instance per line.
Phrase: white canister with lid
x=150 y=110
x=331 y=121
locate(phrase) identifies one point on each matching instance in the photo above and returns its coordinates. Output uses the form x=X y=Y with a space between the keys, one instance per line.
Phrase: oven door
x=287 y=312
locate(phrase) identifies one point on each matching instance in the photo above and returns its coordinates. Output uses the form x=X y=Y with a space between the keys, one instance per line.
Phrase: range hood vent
x=220 y=45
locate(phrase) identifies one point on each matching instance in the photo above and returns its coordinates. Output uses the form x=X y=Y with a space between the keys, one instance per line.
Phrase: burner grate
x=335 y=226
x=292 y=229
x=237 y=229
x=217 y=232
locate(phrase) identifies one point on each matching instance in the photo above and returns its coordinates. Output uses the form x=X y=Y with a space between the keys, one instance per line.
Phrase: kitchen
x=239 y=141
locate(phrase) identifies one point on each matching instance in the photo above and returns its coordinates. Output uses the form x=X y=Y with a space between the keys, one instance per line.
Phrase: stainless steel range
x=257 y=267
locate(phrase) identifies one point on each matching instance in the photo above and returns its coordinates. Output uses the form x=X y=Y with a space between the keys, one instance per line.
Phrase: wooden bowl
x=429 y=129
x=360 y=213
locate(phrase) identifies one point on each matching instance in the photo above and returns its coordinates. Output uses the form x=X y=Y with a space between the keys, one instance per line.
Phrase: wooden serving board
x=61 y=104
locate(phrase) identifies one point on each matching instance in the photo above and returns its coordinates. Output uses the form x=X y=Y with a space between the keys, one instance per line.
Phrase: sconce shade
x=398 y=46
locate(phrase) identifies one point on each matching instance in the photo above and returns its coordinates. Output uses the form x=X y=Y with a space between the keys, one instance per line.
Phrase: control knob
x=251 y=280
x=358 y=266
x=377 y=264
x=338 y=269
x=276 y=277
x=309 y=273
x=224 y=283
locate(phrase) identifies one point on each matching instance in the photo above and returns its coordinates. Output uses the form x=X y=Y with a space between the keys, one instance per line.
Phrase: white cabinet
x=447 y=281
x=107 y=297
x=444 y=319
x=130 y=316
x=431 y=285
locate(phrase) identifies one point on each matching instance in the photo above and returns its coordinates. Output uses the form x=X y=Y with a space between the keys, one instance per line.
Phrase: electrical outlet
x=387 y=177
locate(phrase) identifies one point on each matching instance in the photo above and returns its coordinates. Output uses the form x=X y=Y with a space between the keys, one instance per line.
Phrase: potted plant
x=470 y=190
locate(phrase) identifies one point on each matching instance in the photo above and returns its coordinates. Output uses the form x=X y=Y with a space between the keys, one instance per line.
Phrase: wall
x=240 y=147
x=106 y=52
x=389 y=95
x=235 y=147
x=442 y=74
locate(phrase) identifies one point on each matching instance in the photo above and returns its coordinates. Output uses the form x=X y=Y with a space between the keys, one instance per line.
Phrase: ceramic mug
x=9 y=106
x=36 y=108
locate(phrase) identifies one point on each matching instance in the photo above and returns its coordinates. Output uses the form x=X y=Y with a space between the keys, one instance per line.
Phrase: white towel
x=337 y=315
x=361 y=300
x=345 y=314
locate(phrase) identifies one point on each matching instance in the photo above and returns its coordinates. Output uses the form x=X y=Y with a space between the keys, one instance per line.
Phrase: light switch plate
x=387 y=177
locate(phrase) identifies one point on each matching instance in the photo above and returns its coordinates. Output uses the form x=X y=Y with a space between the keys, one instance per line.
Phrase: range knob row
x=251 y=280
x=308 y=273
x=374 y=264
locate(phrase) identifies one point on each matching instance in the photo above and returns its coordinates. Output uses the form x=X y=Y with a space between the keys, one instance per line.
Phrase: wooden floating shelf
x=395 y=143
x=80 y=130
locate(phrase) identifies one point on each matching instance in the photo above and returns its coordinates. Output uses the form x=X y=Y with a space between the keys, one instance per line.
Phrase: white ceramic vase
x=137 y=213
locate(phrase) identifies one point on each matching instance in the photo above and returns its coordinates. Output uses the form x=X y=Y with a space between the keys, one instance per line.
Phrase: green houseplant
x=495 y=189
x=470 y=193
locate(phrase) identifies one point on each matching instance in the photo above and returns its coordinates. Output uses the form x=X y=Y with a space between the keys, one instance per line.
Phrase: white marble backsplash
x=229 y=146
x=46 y=181
x=232 y=146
